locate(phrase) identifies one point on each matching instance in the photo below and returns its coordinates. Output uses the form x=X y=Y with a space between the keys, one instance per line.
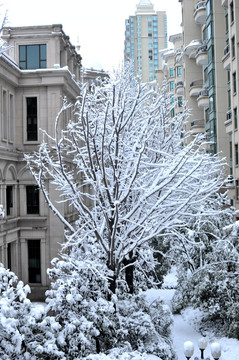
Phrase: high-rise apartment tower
x=145 y=35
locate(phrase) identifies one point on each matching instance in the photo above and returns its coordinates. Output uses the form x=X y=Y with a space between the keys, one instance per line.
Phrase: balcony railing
x=197 y=123
x=226 y=49
x=202 y=93
x=200 y=5
x=179 y=84
x=200 y=14
x=229 y=115
x=201 y=49
x=178 y=52
x=196 y=83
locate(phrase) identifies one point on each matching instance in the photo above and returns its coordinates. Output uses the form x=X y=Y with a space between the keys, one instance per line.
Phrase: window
x=230 y=153
x=31 y=119
x=32 y=194
x=32 y=56
x=34 y=261
x=5 y=115
x=233 y=47
x=9 y=256
x=237 y=189
x=228 y=90
x=232 y=11
x=235 y=118
x=236 y=154
x=11 y=118
x=234 y=82
x=179 y=71
x=172 y=113
x=171 y=85
x=180 y=101
x=9 y=199
x=171 y=72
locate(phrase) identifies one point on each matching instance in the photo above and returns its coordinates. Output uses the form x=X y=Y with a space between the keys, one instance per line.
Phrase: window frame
x=235 y=114
x=171 y=72
x=179 y=71
x=33 y=203
x=25 y=117
x=236 y=155
x=5 y=114
x=34 y=271
x=24 y=56
x=232 y=15
x=9 y=200
x=234 y=82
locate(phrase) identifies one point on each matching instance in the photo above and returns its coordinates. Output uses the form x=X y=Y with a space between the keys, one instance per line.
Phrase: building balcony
x=200 y=14
x=203 y=99
x=201 y=55
x=197 y=126
x=229 y=181
x=192 y=47
x=179 y=57
x=195 y=88
x=225 y=3
x=180 y=88
x=226 y=58
x=228 y=120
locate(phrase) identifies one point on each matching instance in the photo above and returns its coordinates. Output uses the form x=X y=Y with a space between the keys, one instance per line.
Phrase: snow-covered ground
x=183 y=329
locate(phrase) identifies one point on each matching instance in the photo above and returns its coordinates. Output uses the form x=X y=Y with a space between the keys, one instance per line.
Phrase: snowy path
x=182 y=332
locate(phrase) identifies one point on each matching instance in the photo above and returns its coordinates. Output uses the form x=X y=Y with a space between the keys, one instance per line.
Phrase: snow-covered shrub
x=119 y=354
x=213 y=285
x=78 y=300
x=89 y=321
x=145 y=326
x=25 y=331
x=15 y=316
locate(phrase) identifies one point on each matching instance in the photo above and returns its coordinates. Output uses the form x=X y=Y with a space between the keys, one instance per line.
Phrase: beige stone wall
x=49 y=86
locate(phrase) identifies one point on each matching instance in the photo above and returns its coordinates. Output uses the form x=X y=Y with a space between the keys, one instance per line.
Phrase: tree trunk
x=129 y=272
x=112 y=280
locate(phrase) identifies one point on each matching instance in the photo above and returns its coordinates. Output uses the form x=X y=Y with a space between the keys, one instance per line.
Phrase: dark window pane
x=9 y=256
x=9 y=199
x=32 y=193
x=34 y=261
x=31 y=119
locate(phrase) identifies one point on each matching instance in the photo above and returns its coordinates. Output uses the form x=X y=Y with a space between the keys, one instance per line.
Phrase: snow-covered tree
x=3 y=22
x=15 y=316
x=207 y=254
x=121 y=163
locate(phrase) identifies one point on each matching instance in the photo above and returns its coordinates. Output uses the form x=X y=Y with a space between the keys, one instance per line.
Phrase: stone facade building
x=36 y=73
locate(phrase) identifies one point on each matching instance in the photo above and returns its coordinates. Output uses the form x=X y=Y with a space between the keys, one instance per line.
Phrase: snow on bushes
x=15 y=316
x=89 y=322
x=208 y=277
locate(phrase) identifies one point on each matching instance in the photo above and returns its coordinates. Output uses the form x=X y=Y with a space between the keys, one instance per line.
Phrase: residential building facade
x=230 y=60
x=208 y=54
x=145 y=35
x=171 y=69
x=39 y=70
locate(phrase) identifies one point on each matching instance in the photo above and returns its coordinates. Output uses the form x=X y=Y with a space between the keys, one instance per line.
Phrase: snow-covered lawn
x=185 y=324
x=183 y=329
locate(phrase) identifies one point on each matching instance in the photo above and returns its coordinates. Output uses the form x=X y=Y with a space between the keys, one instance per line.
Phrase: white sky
x=98 y=24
